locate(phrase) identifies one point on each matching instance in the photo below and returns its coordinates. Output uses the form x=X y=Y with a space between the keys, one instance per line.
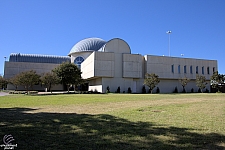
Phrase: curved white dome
x=89 y=44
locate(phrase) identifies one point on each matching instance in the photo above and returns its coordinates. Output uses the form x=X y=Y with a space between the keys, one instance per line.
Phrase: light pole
x=169 y=32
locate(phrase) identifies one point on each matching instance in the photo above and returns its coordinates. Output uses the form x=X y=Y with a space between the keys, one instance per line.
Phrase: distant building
x=110 y=64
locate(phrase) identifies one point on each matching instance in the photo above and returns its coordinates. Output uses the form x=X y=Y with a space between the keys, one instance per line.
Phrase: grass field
x=114 y=121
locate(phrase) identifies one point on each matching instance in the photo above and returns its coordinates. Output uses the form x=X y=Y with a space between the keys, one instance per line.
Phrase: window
x=214 y=69
x=185 y=69
x=202 y=70
x=179 y=69
x=197 y=70
x=172 y=68
x=207 y=70
x=191 y=69
x=78 y=61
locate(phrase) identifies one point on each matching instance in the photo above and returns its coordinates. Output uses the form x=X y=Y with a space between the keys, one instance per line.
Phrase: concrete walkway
x=3 y=93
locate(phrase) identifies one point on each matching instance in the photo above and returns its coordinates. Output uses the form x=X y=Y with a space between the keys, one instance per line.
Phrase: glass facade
x=78 y=61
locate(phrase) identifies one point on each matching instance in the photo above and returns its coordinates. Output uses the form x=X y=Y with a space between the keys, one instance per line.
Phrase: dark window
x=185 y=69
x=197 y=70
x=172 y=68
x=78 y=61
x=179 y=69
x=202 y=70
x=208 y=70
x=214 y=69
x=191 y=69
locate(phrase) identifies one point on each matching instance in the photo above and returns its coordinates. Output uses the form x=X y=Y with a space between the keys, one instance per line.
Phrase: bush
x=184 y=91
x=107 y=89
x=96 y=91
x=199 y=90
x=192 y=90
x=129 y=90
x=143 y=89
x=32 y=93
x=118 y=90
x=17 y=92
x=175 y=90
x=206 y=91
x=157 y=90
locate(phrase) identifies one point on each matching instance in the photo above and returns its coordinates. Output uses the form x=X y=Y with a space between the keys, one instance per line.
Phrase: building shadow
x=84 y=131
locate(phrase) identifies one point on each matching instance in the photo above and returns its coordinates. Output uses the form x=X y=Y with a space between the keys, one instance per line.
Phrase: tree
x=3 y=83
x=69 y=74
x=201 y=82
x=184 y=81
x=49 y=80
x=217 y=80
x=151 y=80
x=28 y=79
x=15 y=81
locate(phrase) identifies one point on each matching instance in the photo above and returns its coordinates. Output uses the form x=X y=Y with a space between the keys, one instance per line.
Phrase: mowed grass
x=114 y=121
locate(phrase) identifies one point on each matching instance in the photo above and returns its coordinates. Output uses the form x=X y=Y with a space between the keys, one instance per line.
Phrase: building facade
x=111 y=64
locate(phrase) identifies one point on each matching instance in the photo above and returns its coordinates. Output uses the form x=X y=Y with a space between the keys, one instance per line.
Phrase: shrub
x=95 y=91
x=192 y=90
x=184 y=91
x=206 y=91
x=143 y=89
x=175 y=90
x=199 y=90
x=32 y=93
x=129 y=90
x=107 y=89
x=157 y=90
x=118 y=90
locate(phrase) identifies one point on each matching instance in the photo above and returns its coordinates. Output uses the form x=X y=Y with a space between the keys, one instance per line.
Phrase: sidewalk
x=3 y=93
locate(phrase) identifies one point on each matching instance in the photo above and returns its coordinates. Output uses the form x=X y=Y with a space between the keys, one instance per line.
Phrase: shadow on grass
x=83 y=131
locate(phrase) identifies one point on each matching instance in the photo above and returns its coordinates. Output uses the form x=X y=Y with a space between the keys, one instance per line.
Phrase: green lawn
x=114 y=121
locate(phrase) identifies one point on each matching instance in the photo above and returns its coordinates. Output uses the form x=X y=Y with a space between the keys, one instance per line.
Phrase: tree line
x=151 y=80
x=69 y=74
x=66 y=73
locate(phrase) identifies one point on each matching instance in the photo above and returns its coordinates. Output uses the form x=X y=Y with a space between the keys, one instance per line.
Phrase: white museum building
x=111 y=64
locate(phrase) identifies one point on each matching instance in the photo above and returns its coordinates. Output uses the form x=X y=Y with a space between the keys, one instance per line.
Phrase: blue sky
x=54 y=26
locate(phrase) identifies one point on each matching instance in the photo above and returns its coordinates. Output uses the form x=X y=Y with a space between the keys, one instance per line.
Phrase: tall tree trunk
x=68 y=88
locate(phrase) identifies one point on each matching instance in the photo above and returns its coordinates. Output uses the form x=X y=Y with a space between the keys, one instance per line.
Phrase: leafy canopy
x=201 y=82
x=68 y=74
x=3 y=82
x=217 y=80
x=49 y=79
x=184 y=81
x=151 y=80
x=28 y=79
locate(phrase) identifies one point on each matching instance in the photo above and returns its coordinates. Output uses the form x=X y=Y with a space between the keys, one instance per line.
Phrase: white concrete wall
x=97 y=88
x=104 y=64
x=13 y=68
x=98 y=64
x=87 y=67
x=162 y=66
x=116 y=67
x=117 y=46
x=132 y=66
x=114 y=83
x=84 y=54
x=168 y=86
